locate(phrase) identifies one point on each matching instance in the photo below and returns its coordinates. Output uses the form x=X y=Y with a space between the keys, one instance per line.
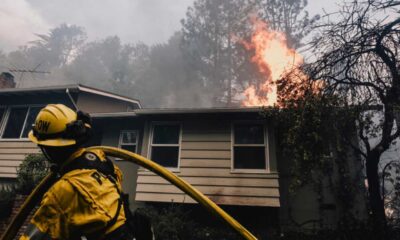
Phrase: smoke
x=19 y=22
x=148 y=21
x=130 y=48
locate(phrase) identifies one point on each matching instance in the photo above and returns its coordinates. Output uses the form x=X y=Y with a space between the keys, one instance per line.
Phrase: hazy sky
x=149 y=21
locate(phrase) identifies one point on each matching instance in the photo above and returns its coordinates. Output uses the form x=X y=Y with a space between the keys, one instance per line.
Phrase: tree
x=106 y=64
x=357 y=58
x=209 y=30
x=51 y=52
x=213 y=35
x=289 y=17
x=168 y=77
x=391 y=191
x=59 y=47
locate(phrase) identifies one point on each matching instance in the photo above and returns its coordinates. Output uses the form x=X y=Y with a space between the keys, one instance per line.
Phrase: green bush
x=174 y=222
x=30 y=172
x=7 y=196
x=170 y=223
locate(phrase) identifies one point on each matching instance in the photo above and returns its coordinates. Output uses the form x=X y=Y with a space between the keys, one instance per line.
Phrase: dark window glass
x=129 y=137
x=33 y=112
x=166 y=134
x=249 y=158
x=249 y=134
x=2 y=111
x=165 y=156
x=15 y=123
x=131 y=148
x=97 y=136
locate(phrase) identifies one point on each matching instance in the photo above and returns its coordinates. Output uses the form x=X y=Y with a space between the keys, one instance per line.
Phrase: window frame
x=4 y=121
x=2 y=117
x=265 y=145
x=179 y=144
x=120 y=143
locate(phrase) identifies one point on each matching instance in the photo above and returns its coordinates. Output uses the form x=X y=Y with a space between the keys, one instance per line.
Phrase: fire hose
x=45 y=184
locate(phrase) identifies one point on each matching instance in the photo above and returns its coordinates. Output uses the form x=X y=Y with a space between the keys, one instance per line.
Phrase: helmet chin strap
x=56 y=156
x=54 y=167
x=45 y=153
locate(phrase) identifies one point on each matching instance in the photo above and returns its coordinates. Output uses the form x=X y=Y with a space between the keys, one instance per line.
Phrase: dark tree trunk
x=375 y=198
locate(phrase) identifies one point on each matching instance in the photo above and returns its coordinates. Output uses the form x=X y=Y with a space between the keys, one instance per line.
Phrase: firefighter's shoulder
x=93 y=155
x=62 y=192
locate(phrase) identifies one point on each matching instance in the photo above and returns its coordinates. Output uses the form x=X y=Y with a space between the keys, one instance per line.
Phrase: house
x=229 y=154
x=19 y=107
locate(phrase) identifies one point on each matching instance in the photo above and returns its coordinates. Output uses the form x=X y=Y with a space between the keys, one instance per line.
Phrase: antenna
x=23 y=71
x=72 y=99
x=26 y=71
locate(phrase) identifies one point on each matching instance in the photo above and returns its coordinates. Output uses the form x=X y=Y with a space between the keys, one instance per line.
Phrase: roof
x=113 y=115
x=158 y=111
x=164 y=111
x=64 y=88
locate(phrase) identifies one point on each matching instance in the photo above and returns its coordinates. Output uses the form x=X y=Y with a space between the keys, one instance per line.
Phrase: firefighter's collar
x=73 y=156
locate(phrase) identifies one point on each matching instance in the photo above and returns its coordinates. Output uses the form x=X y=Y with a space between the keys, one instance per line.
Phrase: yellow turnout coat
x=82 y=203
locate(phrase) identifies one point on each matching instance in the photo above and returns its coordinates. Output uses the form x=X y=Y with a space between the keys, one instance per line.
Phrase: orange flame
x=274 y=59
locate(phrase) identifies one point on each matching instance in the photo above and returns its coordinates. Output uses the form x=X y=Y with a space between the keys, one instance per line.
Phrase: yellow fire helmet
x=57 y=125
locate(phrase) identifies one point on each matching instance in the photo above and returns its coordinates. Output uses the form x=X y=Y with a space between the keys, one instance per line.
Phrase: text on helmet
x=42 y=126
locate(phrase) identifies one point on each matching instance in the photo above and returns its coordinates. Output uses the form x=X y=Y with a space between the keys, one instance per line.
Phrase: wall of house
x=111 y=129
x=99 y=104
x=205 y=162
x=306 y=208
x=11 y=155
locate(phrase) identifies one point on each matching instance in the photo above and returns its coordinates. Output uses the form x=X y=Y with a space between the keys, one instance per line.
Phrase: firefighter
x=87 y=199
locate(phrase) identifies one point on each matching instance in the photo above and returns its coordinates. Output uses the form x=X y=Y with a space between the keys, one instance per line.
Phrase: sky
x=147 y=21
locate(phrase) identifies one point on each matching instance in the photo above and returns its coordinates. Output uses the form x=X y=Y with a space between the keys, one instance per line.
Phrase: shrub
x=168 y=223
x=7 y=196
x=30 y=172
x=174 y=222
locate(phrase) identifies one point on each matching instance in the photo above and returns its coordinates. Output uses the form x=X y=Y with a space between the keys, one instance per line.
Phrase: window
x=164 y=144
x=249 y=146
x=128 y=140
x=2 y=113
x=19 y=121
x=30 y=120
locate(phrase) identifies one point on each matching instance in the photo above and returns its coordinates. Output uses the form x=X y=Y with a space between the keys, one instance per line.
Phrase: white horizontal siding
x=205 y=162
x=12 y=153
x=222 y=200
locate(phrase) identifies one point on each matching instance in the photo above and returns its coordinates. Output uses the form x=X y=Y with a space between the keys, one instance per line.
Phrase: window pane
x=33 y=112
x=15 y=123
x=129 y=137
x=165 y=156
x=166 y=134
x=249 y=134
x=131 y=148
x=2 y=110
x=249 y=158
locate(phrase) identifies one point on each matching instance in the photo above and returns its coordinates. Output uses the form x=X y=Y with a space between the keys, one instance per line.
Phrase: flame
x=274 y=59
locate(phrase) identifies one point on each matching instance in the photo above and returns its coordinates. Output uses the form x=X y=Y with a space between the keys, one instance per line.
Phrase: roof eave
x=197 y=111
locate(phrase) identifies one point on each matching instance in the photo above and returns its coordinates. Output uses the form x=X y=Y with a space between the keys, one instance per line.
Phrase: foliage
x=7 y=196
x=289 y=17
x=59 y=46
x=168 y=223
x=357 y=59
x=391 y=191
x=213 y=35
x=173 y=222
x=203 y=65
x=30 y=172
x=359 y=231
